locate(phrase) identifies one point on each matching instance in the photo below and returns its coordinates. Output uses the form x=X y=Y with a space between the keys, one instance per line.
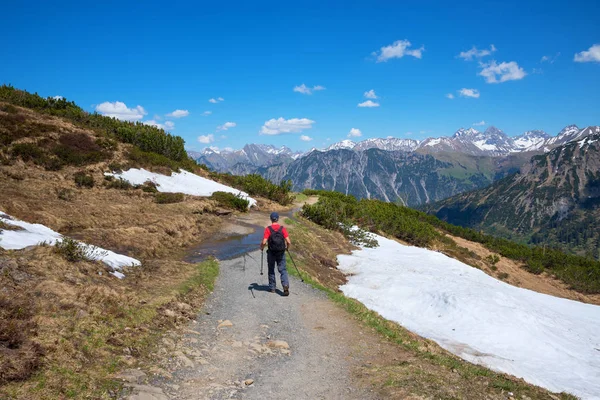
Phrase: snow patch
x=179 y=182
x=35 y=234
x=548 y=341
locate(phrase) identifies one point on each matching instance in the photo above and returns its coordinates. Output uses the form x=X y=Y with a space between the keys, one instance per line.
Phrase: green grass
x=206 y=274
x=300 y=197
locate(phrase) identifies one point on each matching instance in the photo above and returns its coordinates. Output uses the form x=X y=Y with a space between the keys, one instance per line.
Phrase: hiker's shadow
x=262 y=288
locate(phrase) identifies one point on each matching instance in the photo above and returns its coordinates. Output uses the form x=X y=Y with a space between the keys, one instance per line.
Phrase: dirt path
x=301 y=346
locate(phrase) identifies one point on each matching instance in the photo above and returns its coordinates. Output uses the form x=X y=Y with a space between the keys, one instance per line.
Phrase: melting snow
x=180 y=182
x=548 y=341
x=34 y=234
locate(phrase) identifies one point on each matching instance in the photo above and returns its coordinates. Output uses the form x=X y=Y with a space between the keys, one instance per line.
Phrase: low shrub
x=503 y=275
x=167 y=198
x=120 y=184
x=230 y=200
x=74 y=251
x=149 y=187
x=20 y=357
x=534 y=266
x=28 y=152
x=83 y=180
x=65 y=194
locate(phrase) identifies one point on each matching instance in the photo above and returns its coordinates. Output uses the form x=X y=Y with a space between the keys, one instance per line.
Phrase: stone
x=278 y=344
x=225 y=324
x=131 y=376
x=169 y=313
x=145 y=392
x=248 y=382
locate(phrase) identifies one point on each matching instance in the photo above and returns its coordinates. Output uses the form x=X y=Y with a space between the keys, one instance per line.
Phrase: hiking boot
x=286 y=291
x=272 y=290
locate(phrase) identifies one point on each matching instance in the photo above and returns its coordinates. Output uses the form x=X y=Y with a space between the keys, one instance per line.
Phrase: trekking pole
x=262 y=258
x=293 y=262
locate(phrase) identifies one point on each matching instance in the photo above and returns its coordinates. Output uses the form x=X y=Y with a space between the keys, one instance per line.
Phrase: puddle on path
x=226 y=248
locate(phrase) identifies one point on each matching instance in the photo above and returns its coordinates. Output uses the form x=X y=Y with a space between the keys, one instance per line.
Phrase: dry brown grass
x=67 y=327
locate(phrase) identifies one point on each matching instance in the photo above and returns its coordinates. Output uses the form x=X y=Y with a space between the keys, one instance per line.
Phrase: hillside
x=553 y=200
x=67 y=322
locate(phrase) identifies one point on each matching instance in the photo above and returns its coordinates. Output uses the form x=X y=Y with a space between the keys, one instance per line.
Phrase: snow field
x=35 y=234
x=179 y=182
x=548 y=341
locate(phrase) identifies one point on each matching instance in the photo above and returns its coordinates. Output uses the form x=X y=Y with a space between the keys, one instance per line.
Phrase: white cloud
x=354 y=132
x=389 y=137
x=469 y=93
x=217 y=100
x=168 y=125
x=305 y=138
x=505 y=71
x=368 y=103
x=206 y=113
x=308 y=90
x=226 y=126
x=120 y=111
x=58 y=97
x=280 y=125
x=591 y=55
x=179 y=113
x=549 y=59
x=474 y=53
x=206 y=138
x=450 y=96
x=481 y=123
x=371 y=94
x=398 y=49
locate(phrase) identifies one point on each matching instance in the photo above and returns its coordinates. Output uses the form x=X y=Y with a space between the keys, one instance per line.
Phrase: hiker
x=277 y=238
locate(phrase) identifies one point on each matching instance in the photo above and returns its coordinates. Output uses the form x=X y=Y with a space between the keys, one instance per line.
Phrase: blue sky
x=156 y=58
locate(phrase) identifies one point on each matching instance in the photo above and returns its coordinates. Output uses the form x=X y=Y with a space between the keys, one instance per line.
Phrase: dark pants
x=279 y=258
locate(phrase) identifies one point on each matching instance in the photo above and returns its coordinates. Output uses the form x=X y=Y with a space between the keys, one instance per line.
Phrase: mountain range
x=553 y=199
x=407 y=171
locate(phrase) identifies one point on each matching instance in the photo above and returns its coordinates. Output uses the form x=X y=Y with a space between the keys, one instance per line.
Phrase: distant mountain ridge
x=395 y=169
x=491 y=142
x=554 y=199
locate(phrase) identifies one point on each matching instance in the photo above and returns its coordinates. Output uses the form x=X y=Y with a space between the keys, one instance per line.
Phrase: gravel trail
x=253 y=344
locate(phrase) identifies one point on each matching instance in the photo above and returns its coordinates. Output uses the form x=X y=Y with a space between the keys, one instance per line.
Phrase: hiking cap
x=274 y=216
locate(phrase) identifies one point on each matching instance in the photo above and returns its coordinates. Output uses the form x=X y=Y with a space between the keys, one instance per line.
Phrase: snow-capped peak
x=466 y=132
x=344 y=144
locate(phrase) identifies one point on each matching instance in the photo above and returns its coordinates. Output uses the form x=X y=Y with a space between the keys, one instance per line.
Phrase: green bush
x=167 y=198
x=230 y=200
x=84 y=180
x=74 y=251
x=149 y=187
x=534 y=266
x=256 y=185
x=120 y=184
x=28 y=152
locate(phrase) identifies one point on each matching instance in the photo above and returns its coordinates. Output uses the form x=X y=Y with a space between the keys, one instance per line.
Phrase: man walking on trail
x=277 y=238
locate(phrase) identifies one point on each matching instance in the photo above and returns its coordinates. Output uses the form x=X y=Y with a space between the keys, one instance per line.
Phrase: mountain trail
x=250 y=344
